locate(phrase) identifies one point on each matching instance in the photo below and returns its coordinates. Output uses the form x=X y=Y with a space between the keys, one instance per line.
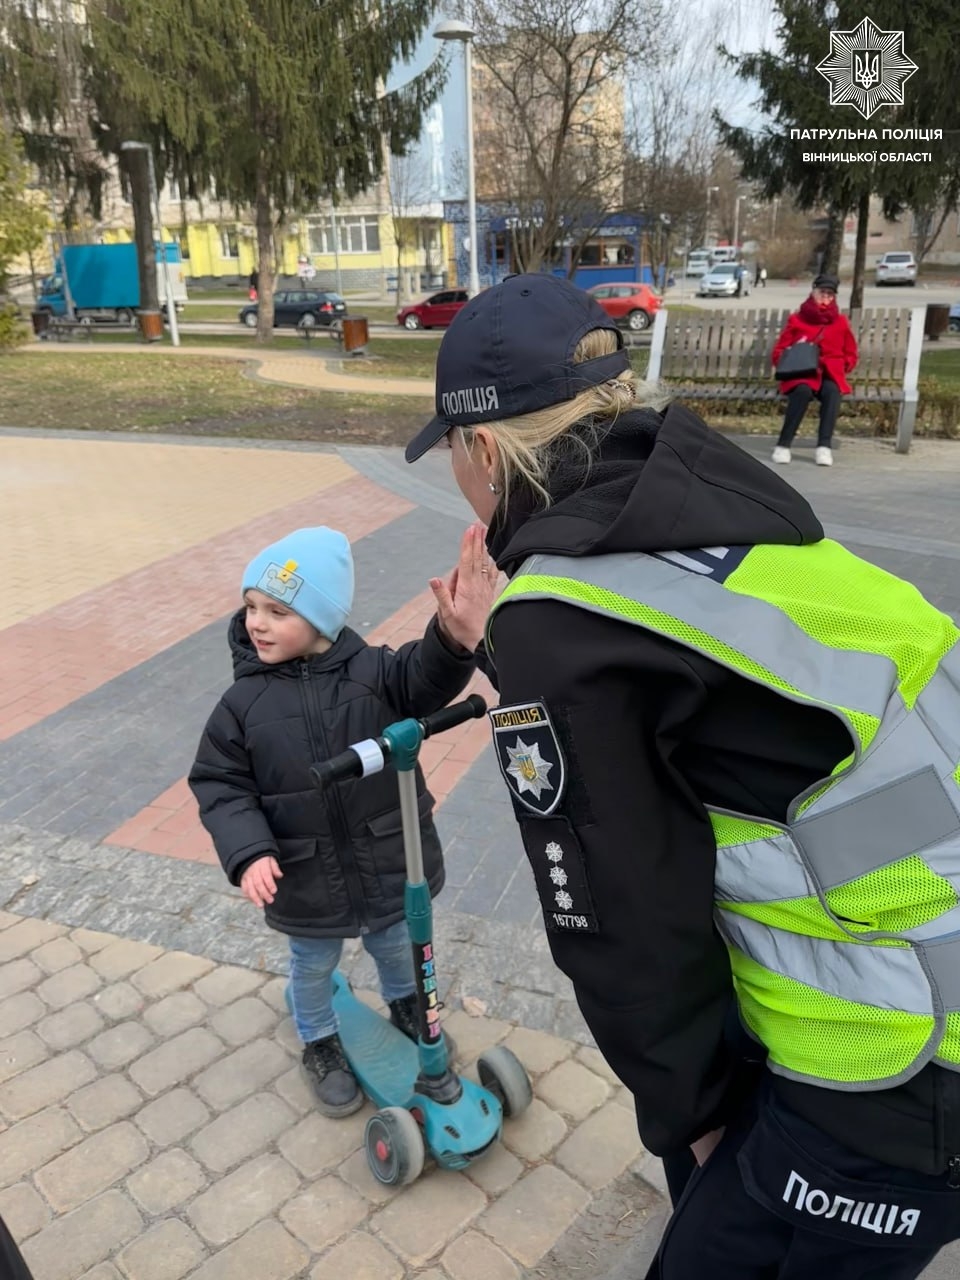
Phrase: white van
x=698 y=262
x=724 y=253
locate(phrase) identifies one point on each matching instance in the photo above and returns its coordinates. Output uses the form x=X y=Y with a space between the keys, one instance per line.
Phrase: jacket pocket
x=804 y=1177
x=295 y=850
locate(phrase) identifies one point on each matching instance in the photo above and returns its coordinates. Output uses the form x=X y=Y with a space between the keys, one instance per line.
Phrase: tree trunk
x=834 y=241
x=398 y=235
x=266 y=254
x=860 y=257
x=138 y=173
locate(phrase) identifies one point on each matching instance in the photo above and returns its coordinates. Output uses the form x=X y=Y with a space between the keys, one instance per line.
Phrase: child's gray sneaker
x=334 y=1083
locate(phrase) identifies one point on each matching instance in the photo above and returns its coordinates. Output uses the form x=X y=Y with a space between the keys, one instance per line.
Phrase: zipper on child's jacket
x=953 y=1173
x=338 y=819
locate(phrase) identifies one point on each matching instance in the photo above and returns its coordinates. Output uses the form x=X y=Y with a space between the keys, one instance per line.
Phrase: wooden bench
x=725 y=355
x=64 y=328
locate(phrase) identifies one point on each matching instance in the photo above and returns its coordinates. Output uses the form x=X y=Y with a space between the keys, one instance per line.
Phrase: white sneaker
x=781 y=455
x=823 y=456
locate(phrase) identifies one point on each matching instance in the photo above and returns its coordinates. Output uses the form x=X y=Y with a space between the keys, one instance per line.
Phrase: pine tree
x=274 y=104
x=792 y=94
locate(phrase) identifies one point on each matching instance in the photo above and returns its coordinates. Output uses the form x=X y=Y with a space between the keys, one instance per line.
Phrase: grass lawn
x=394 y=359
x=944 y=365
x=122 y=391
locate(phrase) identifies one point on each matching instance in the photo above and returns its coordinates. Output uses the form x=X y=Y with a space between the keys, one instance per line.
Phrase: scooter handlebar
x=370 y=756
x=357 y=761
x=471 y=708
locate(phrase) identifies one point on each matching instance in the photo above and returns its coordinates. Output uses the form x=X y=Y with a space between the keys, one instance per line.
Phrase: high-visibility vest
x=842 y=923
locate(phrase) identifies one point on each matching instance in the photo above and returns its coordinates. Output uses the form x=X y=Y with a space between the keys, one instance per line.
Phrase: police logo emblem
x=529 y=755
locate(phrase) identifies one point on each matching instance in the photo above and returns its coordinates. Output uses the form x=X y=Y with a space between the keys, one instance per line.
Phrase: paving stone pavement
x=158 y=1127
x=146 y=1068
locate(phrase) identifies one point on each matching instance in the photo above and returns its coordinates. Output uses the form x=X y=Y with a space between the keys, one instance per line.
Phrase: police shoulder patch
x=529 y=755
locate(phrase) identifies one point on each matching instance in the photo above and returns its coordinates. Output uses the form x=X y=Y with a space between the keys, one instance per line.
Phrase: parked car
x=897 y=268
x=721 y=281
x=954 y=322
x=634 y=305
x=302 y=308
x=435 y=312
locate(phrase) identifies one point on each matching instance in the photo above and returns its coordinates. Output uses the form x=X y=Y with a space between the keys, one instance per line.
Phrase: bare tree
x=409 y=192
x=550 y=114
x=672 y=137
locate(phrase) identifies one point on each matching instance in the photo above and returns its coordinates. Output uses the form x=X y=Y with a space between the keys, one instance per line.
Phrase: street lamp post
x=453 y=29
x=736 y=222
x=706 y=230
x=155 y=201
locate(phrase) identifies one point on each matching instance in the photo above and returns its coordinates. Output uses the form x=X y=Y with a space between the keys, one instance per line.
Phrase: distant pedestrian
x=763 y=277
x=254 y=284
x=827 y=342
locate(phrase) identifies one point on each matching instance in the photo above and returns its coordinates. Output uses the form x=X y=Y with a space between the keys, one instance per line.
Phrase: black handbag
x=800 y=360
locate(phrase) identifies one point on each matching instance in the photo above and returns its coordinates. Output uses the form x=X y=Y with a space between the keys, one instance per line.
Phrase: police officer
x=733 y=750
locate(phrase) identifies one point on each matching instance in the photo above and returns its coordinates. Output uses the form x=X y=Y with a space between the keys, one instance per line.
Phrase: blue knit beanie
x=311 y=572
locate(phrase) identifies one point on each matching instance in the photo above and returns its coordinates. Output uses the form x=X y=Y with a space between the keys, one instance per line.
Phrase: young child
x=328 y=866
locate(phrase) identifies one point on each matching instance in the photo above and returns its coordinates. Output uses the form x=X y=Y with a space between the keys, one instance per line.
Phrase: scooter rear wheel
x=394 y=1147
x=502 y=1072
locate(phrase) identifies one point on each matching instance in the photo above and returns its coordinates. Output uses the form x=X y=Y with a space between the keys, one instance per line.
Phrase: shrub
x=13 y=332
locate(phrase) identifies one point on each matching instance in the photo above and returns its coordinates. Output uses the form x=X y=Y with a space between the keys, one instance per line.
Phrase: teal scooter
x=423 y=1106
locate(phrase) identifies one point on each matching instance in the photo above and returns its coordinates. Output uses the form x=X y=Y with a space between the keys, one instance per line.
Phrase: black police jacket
x=340 y=851
x=650 y=733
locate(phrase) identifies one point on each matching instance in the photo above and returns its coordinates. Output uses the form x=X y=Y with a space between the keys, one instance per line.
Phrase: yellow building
x=355 y=244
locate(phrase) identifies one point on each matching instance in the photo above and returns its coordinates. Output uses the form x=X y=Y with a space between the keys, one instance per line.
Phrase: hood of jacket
x=662 y=482
x=246 y=661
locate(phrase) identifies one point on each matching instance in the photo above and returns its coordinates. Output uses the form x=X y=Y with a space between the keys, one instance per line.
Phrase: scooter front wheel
x=394 y=1147
x=502 y=1072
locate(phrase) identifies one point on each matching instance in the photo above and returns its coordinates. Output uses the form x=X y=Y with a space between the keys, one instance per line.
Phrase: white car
x=721 y=281
x=897 y=268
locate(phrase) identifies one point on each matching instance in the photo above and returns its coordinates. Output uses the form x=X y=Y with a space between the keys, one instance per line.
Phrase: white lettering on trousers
x=879 y=1218
x=470 y=400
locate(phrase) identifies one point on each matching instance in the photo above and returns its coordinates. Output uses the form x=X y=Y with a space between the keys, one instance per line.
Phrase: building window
x=229 y=243
x=357 y=233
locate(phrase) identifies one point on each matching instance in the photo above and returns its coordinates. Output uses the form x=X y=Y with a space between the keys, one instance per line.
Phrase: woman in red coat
x=818 y=320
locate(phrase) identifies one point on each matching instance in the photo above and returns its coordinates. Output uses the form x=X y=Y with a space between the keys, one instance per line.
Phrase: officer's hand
x=259 y=881
x=465 y=599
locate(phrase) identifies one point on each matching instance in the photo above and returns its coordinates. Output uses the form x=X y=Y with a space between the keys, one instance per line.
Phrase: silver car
x=721 y=281
x=897 y=268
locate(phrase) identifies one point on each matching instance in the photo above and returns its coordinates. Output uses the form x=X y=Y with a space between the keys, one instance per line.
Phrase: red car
x=435 y=312
x=631 y=304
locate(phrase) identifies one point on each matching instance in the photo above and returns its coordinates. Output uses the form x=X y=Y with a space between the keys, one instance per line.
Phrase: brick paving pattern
x=176 y=1136
x=153 y=1121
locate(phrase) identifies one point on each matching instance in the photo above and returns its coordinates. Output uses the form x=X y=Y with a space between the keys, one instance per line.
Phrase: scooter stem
x=404 y=739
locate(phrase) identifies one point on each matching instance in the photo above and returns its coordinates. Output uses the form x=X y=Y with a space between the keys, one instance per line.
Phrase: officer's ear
x=486 y=453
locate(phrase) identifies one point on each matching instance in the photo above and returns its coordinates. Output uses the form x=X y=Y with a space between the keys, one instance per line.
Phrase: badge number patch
x=558 y=866
x=529 y=755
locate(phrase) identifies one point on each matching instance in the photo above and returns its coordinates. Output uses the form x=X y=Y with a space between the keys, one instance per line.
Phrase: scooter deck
x=387 y=1065
x=383 y=1059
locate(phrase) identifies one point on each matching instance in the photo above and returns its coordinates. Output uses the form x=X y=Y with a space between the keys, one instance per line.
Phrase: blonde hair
x=529 y=444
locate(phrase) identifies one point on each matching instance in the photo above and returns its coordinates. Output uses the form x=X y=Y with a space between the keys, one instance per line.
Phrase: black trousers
x=12 y=1265
x=797 y=401
x=781 y=1200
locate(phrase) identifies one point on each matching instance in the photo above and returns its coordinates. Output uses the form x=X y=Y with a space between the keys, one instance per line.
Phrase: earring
x=493 y=488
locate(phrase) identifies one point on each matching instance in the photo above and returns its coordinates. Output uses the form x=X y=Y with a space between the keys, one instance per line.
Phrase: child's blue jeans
x=313 y=960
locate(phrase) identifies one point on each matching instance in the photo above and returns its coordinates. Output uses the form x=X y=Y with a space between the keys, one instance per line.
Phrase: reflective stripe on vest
x=843 y=923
